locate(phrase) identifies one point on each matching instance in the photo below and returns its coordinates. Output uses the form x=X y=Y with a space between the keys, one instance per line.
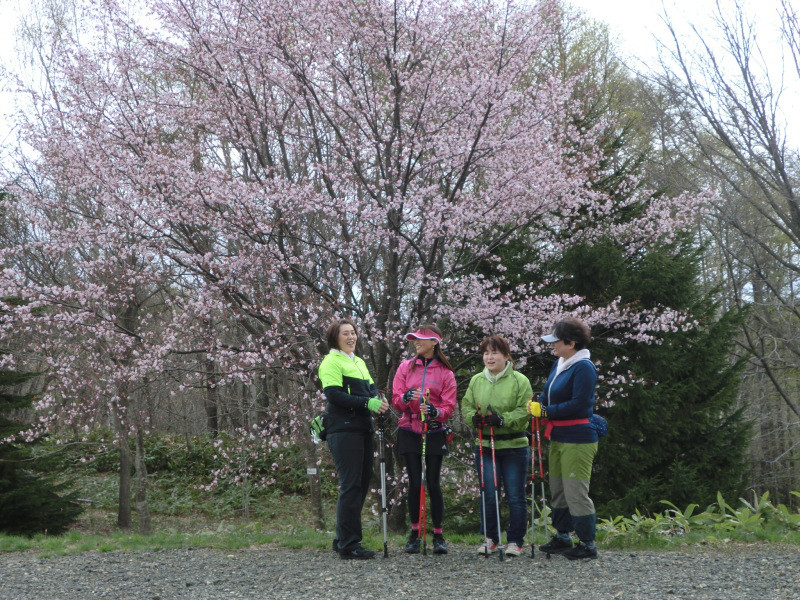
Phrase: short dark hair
x=497 y=343
x=332 y=334
x=572 y=329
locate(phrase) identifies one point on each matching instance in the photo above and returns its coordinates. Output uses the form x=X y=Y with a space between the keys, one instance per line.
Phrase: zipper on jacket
x=549 y=389
x=422 y=384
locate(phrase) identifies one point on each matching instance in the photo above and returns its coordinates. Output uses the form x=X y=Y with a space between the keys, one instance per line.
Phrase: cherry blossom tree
x=220 y=178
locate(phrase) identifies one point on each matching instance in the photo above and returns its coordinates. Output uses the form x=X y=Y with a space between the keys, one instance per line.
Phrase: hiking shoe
x=335 y=545
x=413 y=543
x=513 y=549
x=439 y=545
x=357 y=553
x=581 y=551
x=556 y=546
x=487 y=547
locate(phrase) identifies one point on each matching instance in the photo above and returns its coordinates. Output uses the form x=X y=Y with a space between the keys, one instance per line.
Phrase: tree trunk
x=311 y=453
x=124 y=508
x=129 y=321
x=246 y=487
x=315 y=487
x=145 y=525
x=211 y=399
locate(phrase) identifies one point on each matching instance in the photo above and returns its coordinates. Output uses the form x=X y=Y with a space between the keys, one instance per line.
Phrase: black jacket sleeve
x=338 y=397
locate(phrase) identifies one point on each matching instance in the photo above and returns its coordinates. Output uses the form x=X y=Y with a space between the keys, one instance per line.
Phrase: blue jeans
x=512 y=470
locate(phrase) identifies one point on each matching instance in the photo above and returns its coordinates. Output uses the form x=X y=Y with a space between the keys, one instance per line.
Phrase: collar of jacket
x=419 y=360
x=345 y=354
x=563 y=365
x=500 y=375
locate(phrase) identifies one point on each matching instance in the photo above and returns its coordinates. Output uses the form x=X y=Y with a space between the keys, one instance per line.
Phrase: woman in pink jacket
x=425 y=382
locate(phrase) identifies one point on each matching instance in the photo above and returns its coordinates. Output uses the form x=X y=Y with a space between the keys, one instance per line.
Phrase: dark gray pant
x=352 y=452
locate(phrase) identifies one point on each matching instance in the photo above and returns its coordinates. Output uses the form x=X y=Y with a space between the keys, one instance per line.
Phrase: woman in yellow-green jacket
x=502 y=394
x=352 y=400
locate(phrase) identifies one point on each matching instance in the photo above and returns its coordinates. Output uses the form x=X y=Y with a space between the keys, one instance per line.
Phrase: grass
x=75 y=542
x=290 y=527
x=236 y=536
x=186 y=516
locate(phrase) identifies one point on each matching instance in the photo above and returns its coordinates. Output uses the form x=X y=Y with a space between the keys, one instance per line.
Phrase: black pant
x=352 y=452
x=432 y=476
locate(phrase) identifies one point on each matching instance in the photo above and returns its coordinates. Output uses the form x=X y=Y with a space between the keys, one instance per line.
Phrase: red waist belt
x=548 y=425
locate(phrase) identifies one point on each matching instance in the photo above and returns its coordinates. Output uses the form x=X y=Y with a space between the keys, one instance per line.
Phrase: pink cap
x=424 y=334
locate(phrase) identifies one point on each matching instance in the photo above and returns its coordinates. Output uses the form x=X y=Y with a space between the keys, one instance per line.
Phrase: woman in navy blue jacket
x=567 y=403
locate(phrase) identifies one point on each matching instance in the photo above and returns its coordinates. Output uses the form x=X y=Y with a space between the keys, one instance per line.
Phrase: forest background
x=199 y=188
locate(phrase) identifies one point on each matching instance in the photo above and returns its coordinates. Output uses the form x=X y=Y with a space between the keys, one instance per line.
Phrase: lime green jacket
x=508 y=397
x=347 y=386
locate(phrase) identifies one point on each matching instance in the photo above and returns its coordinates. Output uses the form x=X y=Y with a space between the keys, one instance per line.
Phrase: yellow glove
x=536 y=409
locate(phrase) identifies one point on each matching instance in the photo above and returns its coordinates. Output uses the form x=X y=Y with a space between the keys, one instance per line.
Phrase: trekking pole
x=382 y=456
x=423 y=512
x=533 y=491
x=541 y=475
x=500 y=548
x=483 y=491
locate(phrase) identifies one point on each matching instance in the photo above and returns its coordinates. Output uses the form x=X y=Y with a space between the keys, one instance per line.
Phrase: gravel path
x=758 y=572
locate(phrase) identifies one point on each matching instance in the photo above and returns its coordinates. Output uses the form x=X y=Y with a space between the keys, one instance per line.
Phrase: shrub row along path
x=738 y=572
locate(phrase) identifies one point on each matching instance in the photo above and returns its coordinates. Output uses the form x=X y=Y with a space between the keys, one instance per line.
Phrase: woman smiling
x=427 y=376
x=352 y=398
x=495 y=403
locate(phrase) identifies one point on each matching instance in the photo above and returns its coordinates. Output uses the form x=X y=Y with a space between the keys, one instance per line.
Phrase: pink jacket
x=437 y=378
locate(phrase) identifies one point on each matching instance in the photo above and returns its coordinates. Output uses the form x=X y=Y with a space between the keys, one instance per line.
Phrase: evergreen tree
x=679 y=435
x=30 y=502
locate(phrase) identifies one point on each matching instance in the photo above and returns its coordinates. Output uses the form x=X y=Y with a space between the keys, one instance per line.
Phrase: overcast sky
x=8 y=18
x=634 y=23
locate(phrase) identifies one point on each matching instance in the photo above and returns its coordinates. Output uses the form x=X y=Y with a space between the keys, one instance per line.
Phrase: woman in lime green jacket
x=502 y=394
x=352 y=400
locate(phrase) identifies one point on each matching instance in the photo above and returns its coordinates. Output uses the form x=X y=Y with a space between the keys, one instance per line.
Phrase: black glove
x=408 y=396
x=434 y=425
x=433 y=412
x=477 y=420
x=492 y=419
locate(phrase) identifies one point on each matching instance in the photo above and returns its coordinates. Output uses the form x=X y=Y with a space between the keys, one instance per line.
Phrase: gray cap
x=550 y=338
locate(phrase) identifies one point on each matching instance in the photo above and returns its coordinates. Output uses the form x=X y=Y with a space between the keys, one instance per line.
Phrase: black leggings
x=434 y=488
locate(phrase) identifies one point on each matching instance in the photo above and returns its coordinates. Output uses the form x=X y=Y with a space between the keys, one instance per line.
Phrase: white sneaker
x=512 y=549
x=487 y=547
